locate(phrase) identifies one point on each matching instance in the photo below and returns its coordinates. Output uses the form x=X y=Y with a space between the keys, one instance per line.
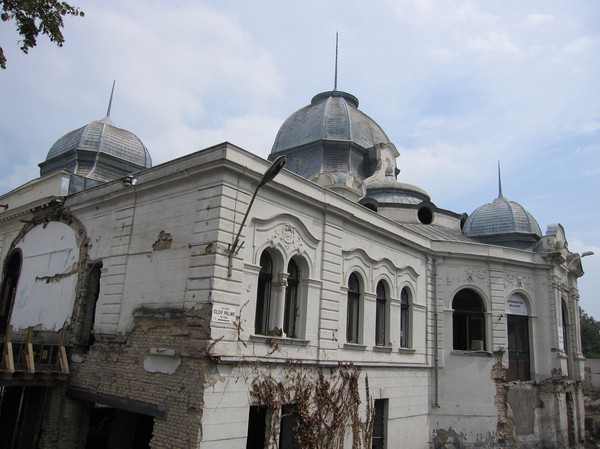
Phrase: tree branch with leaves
x=35 y=17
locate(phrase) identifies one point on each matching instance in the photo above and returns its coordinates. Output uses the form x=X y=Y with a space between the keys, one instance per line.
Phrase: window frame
x=354 y=309
x=380 y=420
x=381 y=313
x=291 y=318
x=264 y=293
x=405 y=322
x=468 y=321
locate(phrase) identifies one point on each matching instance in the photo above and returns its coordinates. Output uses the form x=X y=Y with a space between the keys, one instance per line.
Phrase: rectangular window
x=379 y=427
x=257 y=427
x=287 y=431
x=518 y=348
x=468 y=330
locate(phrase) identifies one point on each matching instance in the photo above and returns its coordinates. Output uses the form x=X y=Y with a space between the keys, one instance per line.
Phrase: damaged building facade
x=131 y=316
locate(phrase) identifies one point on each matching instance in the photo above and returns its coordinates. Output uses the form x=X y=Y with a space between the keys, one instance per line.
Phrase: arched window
x=380 y=314
x=468 y=321
x=565 y=326
x=9 y=288
x=292 y=307
x=404 y=319
x=263 y=295
x=352 y=320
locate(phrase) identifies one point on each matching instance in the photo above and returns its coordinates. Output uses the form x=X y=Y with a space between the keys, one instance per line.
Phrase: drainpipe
x=435 y=334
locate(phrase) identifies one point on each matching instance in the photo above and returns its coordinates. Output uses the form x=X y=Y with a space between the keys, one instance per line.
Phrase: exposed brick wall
x=115 y=369
x=63 y=425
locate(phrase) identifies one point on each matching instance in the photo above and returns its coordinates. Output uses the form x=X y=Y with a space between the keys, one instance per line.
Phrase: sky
x=456 y=85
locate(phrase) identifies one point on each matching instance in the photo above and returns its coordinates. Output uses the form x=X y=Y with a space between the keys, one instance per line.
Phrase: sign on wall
x=223 y=314
x=516 y=305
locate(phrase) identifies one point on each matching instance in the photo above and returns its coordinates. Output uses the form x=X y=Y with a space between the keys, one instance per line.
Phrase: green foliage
x=590 y=336
x=35 y=17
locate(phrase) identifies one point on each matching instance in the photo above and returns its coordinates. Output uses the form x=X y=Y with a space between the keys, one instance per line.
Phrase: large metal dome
x=331 y=116
x=98 y=150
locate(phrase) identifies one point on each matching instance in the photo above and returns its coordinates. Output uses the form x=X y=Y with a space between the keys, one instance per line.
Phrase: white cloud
x=537 y=19
x=493 y=42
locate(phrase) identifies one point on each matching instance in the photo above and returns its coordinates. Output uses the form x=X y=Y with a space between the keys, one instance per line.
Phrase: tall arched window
x=565 y=326
x=380 y=314
x=263 y=295
x=290 y=317
x=468 y=321
x=352 y=320
x=404 y=319
x=9 y=288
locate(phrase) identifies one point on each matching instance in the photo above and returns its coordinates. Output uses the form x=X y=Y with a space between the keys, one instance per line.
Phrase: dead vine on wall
x=326 y=406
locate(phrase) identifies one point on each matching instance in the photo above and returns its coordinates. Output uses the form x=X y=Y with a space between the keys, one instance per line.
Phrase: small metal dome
x=99 y=151
x=331 y=116
x=390 y=191
x=503 y=222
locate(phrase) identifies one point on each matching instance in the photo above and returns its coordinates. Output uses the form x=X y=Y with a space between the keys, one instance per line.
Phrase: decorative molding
x=514 y=280
x=288 y=237
x=476 y=275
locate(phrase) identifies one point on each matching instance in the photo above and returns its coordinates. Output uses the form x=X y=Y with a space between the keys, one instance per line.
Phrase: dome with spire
x=503 y=222
x=331 y=142
x=98 y=151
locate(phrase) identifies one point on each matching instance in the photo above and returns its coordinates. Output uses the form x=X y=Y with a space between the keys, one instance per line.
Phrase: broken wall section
x=157 y=370
x=530 y=415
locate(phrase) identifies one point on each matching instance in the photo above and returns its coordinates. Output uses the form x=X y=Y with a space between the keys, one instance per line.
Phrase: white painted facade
x=163 y=245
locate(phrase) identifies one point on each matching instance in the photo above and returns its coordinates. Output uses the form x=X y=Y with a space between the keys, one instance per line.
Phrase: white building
x=130 y=318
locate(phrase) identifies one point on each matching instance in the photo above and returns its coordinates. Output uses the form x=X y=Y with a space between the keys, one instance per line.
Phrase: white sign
x=223 y=314
x=516 y=305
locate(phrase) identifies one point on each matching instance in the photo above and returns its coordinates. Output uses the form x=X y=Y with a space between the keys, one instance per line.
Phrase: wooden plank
x=7 y=354
x=63 y=362
x=29 y=362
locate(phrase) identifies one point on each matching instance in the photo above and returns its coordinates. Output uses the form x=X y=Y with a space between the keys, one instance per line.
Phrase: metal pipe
x=435 y=334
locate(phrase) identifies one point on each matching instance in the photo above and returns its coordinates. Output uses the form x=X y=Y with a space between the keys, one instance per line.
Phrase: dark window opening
x=404 y=321
x=9 y=289
x=565 y=327
x=111 y=428
x=21 y=410
x=379 y=428
x=468 y=321
x=287 y=431
x=518 y=348
x=425 y=215
x=380 y=315
x=263 y=295
x=291 y=311
x=353 y=309
x=257 y=427
x=91 y=300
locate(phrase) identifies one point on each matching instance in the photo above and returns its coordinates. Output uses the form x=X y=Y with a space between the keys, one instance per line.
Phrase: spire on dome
x=499 y=182
x=111 y=98
x=336 y=62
